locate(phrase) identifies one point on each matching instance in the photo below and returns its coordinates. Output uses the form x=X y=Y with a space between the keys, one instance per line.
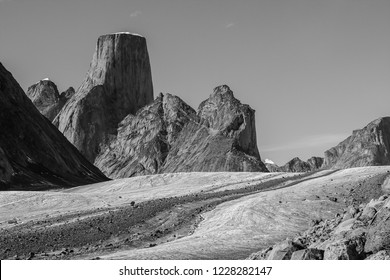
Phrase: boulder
x=378 y=235
x=308 y=254
x=284 y=250
x=345 y=247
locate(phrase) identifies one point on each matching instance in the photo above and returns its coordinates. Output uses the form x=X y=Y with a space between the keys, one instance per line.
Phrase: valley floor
x=177 y=216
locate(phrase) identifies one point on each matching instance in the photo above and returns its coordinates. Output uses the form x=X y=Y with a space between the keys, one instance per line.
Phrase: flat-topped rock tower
x=118 y=83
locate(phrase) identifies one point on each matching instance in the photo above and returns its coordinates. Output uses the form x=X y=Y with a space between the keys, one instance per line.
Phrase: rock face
x=365 y=147
x=33 y=153
x=169 y=136
x=315 y=162
x=46 y=98
x=296 y=165
x=144 y=140
x=6 y=169
x=221 y=138
x=118 y=83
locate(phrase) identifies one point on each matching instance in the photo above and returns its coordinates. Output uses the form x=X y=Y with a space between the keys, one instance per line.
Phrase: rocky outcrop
x=46 y=98
x=365 y=147
x=33 y=153
x=67 y=94
x=221 y=138
x=296 y=165
x=315 y=162
x=169 y=136
x=362 y=232
x=145 y=139
x=118 y=83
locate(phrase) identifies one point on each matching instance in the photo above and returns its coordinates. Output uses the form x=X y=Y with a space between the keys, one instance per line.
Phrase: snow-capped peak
x=129 y=33
x=268 y=161
x=45 y=79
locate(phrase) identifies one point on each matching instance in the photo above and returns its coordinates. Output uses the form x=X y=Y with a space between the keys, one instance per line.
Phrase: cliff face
x=46 y=98
x=169 y=136
x=296 y=165
x=144 y=139
x=118 y=83
x=222 y=138
x=33 y=153
x=365 y=147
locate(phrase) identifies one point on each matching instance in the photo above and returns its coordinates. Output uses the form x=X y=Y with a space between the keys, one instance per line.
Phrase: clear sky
x=313 y=70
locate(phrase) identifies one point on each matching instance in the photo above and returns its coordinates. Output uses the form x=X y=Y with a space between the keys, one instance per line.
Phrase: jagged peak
x=222 y=89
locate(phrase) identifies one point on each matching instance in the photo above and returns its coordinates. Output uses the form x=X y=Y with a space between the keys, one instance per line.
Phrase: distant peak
x=222 y=89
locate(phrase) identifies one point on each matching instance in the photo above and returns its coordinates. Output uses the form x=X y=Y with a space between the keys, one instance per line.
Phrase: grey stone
x=118 y=83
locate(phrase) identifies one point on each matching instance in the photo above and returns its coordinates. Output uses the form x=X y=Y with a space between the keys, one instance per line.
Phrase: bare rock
x=118 y=83
x=222 y=138
x=369 y=146
x=284 y=250
x=308 y=254
x=315 y=162
x=381 y=255
x=45 y=97
x=378 y=235
x=261 y=255
x=38 y=154
x=298 y=165
x=347 y=247
x=144 y=139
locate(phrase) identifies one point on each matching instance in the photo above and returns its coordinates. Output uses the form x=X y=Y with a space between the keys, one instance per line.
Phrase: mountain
x=272 y=166
x=296 y=165
x=365 y=147
x=144 y=139
x=315 y=162
x=46 y=98
x=169 y=136
x=221 y=138
x=33 y=153
x=118 y=83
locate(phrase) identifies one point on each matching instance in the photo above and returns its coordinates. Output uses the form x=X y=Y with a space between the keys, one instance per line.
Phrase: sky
x=314 y=70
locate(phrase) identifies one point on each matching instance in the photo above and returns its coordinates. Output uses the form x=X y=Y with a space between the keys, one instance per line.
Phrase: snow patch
x=268 y=161
x=129 y=33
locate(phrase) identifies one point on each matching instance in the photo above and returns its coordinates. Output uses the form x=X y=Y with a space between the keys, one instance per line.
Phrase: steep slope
x=365 y=147
x=33 y=153
x=118 y=83
x=223 y=138
x=144 y=139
